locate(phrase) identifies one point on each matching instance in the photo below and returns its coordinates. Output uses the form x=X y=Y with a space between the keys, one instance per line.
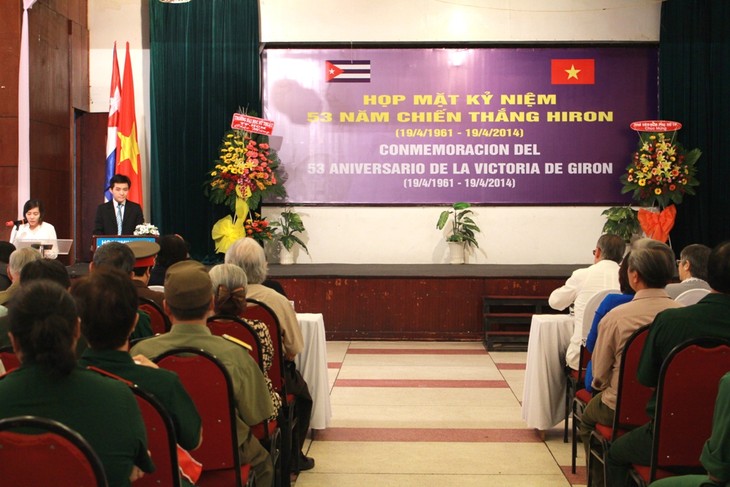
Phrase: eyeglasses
x=594 y=251
x=679 y=262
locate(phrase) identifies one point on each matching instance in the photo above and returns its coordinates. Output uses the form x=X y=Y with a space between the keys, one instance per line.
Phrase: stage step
x=507 y=320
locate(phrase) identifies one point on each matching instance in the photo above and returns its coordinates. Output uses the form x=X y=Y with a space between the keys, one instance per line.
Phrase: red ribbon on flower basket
x=658 y=225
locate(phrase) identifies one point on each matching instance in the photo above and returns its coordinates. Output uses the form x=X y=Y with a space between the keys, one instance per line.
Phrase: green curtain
x=694 y=69
x=204 y=65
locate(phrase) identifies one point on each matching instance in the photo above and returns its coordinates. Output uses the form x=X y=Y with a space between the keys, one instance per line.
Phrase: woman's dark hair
x=43 y=322
x=623 y=276
x=30 y=204
x=107 y=304
x=173 y=249
x=49 y=269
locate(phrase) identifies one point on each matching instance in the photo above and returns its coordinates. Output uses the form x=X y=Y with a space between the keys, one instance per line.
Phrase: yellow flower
x=658 y=191
x=642 y=182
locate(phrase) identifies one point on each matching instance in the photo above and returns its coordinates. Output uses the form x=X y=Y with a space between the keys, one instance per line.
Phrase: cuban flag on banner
x=115 y=98
x=348 y=71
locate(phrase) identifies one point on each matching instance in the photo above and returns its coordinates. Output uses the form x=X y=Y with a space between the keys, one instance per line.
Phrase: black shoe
x=305 y=463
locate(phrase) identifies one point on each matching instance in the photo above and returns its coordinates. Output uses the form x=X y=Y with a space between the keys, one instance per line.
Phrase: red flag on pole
x=129 y=162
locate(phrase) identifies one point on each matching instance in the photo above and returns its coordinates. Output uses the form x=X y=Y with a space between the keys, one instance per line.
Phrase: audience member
x=6 y=248
x=229 y=289
x=144 y=254
x=584 y=283
x=51 y=270
x=18 y=259
x=247 y=254
x=44 y=330
x=119 y=256
x=107 y=305
x=692 y=266
x=608 y=303
x=173 y=249
x=188 y=303
x=716 y=452
x=650 y=267
x=710 y=317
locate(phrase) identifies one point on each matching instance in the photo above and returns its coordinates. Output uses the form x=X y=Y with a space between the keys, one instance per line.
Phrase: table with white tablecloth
x=312 y=364
x=543 y=398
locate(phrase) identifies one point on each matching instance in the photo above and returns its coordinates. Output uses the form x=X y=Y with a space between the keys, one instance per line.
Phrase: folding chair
x=631 y=399
x=682 y=424
x=267 y=432
x=8 y=358
x=257 y=310
x=207 y=381
x=158 y=319
x=691 y=296
x=576 y=378
x=161 y=441
x=46 y=452
x=580 y=400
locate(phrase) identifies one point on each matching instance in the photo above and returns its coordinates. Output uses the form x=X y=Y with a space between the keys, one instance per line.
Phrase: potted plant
x=286 y=226
x=622 y=221
x=463 y=230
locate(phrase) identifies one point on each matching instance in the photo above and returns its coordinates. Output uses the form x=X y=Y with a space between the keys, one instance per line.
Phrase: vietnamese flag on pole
x=128 y=158
x=573 y=71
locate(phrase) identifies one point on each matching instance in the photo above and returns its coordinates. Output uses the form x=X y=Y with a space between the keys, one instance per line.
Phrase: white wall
x=510 y=235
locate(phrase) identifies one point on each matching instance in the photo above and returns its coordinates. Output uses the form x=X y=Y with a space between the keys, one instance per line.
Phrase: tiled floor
x=432 y=413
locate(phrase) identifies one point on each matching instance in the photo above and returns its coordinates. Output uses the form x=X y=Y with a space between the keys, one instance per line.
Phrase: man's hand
x=142 y=360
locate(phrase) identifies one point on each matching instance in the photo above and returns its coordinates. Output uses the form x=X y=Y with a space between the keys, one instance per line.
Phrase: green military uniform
x=708 y=318
x=144 y=326
x=102 y=410
x=716 y=452
x=253 y=403
x=163 y=384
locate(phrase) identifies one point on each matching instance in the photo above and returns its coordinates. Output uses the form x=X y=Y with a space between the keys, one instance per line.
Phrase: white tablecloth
x=312 y=364
x=543 y=398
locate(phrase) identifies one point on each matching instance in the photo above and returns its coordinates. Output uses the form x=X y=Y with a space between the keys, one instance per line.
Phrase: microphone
x=16 y=223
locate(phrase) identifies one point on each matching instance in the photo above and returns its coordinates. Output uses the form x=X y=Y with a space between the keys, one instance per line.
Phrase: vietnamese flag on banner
x=573 y=71
x=128 y=158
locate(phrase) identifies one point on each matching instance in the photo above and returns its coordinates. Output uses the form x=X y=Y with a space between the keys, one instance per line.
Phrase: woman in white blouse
x=35 y=228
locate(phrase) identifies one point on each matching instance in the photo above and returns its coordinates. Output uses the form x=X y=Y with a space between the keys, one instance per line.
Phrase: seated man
x=584 y=283
x=650 y=267
x=708 y=318
x=120 y=256
x=144 y=255
x=18 y=258
x=692 y=265
x=188 y=303
x=107 y=305
x=247 y=254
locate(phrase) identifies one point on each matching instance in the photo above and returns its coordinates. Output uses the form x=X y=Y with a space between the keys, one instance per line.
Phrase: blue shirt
x=608 y=303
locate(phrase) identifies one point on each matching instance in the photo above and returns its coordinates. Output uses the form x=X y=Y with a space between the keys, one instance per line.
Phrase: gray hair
x=19 y=258
x=247 y=254
x=653 y=261
x=612 y=247
x=228 y=275
x=115 y=254
x=697 y=255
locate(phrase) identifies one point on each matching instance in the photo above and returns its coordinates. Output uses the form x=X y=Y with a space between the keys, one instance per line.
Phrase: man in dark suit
x=108 y=220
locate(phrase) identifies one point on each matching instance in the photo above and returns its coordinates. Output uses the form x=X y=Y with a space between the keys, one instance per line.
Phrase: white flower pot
x=456 y=252
x=286 y=257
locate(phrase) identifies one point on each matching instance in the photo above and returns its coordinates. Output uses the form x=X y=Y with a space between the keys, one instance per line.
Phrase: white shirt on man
x=577 y=290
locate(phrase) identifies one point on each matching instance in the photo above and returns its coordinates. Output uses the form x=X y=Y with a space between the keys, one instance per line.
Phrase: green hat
x=188 y=285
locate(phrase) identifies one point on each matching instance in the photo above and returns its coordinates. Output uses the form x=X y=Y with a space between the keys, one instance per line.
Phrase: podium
x=99 y=240
x=48 y=247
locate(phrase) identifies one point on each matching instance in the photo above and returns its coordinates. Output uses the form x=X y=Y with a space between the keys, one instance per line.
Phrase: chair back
x=46 y=452
x=689 y=378
x=591 y=306
x=631 y=396
x=235 y=327
x=161 y=441
x=691 y=296
x=207 y=381
x=257 y=310
x=8 y=358
x=159 y=321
